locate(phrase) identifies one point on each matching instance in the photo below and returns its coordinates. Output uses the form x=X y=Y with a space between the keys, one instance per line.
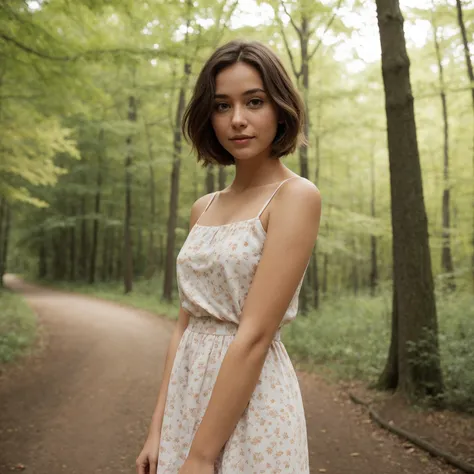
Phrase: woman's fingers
x=142 y=468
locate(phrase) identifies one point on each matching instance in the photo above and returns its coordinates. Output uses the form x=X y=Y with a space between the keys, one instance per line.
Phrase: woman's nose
x=238 y=117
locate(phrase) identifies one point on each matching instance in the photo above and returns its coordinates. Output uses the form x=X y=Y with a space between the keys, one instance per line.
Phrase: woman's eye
x=220 y=107
x=256 y=102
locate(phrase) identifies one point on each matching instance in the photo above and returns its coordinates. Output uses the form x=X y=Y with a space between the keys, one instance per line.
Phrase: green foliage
x=17 y=326
x=350 y=336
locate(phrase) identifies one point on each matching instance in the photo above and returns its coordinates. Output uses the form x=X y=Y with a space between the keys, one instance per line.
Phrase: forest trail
x=82 y=404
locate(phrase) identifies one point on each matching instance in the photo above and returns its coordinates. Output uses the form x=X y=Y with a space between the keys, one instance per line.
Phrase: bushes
x=351 y=336
x=17 y=326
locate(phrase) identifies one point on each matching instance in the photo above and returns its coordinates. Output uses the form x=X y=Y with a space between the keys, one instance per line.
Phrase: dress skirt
x=269 y=438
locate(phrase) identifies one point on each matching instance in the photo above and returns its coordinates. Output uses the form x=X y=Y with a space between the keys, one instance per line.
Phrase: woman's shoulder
x=298 y=193
x=296 y=185
x=199 y=206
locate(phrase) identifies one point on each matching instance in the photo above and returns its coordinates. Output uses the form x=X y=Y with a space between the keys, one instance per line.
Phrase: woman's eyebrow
x=249 y=92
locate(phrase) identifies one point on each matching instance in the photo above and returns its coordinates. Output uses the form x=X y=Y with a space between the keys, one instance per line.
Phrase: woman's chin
x=245 y=155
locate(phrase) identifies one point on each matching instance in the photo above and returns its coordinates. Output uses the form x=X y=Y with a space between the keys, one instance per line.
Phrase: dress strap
x=274 y=192
x=208 y=204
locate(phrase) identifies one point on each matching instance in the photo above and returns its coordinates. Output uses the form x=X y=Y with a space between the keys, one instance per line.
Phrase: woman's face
x=243 y=117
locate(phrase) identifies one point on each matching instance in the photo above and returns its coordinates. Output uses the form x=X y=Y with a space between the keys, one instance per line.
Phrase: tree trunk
x=303 y=151
x=304 y=40
x=210 y=179
x=42 y=257
x=446 y=258
x=112 y=259
x=105 y=253
x=2 y=213
x=325 y=273
x=83 y=251
x=315 y=283
x=72 y=246
x=139 y=258
x=174 y=192
x=419 y=371
x=127 y=234
x=95 y=228
x=388 y=380
x=5 y=218
x=151 y=260
x=373 y=239
x=470 y=75
x=222 y=177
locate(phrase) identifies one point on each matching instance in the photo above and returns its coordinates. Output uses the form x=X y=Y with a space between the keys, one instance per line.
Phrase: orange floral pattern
x=215 y=269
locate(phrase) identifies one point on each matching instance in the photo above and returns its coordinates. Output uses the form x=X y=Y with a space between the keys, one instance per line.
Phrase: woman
x=229 y=400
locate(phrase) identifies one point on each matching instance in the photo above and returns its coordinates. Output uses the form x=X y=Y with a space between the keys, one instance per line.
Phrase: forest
x=97 y=181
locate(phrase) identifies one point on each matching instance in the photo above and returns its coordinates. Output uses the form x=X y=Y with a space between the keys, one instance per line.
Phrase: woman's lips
x=241 y=141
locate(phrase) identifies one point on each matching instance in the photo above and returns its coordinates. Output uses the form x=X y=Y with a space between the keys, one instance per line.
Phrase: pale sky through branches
x=365 y=40
x=361 y=48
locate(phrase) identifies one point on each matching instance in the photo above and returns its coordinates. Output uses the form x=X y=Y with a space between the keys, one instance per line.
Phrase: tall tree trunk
x=72 y=246
x=174 y=192
x=113 y=246
x=418 y=375
x=127 y=234
x=470 y=75
x=138 y=270
x=42 y=255
x=388 y=379
x=354 y=263
x=95 y=228
x=83 y=249
x=210 y=179
x=374 y=274
x=151 y=260
x=303 y=151
x=5 y=218
x=222 y=177
x=325 y=271
x=446 y=258
x=105 y=253
x=304 y=41
x=315 y=283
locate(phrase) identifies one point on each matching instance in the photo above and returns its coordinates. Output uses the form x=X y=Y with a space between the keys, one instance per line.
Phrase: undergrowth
x=17 y=326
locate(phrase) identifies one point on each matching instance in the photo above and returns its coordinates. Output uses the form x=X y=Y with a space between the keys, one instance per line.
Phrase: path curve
x=82 y=404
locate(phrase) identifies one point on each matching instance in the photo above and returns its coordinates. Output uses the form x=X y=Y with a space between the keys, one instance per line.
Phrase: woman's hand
x=197 y=466
x=147 y=461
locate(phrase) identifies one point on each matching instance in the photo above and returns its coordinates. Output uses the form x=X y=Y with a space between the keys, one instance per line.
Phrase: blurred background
x=96 y=181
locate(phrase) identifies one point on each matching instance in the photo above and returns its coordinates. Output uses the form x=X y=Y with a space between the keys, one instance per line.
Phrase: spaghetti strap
x=274 y=192
x=208 y=204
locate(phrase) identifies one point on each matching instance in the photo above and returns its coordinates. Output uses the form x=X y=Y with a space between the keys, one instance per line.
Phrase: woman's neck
x=250 y=174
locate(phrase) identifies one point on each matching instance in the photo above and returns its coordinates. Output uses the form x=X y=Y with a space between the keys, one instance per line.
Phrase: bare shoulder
x=299 y=195
x=198 y=207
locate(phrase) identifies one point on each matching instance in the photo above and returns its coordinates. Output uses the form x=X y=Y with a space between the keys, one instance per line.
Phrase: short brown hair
x=197 y=126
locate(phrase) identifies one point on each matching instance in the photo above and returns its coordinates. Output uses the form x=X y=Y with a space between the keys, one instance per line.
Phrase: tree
x=175 y=172
x=470 y=74
x=414 y=366
x=446 y=256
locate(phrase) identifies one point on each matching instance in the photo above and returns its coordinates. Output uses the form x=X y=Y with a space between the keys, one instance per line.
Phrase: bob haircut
x=197 y=126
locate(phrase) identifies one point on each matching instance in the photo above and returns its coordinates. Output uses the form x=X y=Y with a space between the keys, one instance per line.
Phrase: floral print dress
x=215 y=268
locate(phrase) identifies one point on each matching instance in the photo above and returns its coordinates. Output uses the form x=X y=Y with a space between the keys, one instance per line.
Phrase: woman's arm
x=292 y=232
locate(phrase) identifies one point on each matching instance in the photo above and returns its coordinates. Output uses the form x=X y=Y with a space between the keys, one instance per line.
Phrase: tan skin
x=289 y=242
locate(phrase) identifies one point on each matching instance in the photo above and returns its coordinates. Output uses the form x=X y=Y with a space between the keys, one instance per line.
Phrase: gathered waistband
x=212 y=325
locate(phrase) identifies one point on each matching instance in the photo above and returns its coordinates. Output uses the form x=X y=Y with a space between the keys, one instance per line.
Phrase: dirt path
x=82 y=405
